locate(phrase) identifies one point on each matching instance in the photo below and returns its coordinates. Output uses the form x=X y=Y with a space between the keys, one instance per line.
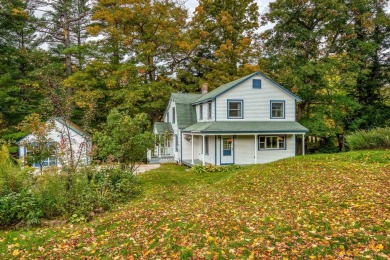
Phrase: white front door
x=227 y=150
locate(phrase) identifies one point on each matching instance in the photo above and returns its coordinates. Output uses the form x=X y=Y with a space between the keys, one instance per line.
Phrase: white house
x=246 y=121
x=68 y=139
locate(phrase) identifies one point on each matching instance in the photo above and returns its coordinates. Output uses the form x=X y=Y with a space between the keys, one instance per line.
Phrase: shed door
x=227 y=150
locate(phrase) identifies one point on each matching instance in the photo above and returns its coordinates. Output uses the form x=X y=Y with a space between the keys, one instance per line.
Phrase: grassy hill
x=319 y=206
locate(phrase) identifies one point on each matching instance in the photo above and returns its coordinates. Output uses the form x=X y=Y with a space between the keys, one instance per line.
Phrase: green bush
x=27 y=198
x=377 y=138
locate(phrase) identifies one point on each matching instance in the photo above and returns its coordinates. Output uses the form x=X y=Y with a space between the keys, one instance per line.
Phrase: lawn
x=318 y=206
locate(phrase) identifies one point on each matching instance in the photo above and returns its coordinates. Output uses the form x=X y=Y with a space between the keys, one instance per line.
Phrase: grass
x=320 y=206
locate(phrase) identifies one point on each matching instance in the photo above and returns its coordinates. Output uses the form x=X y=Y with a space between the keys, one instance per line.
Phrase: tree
x=125 y=139
x=40 y=146
x=309 y=52
x=18 y=42
x=226 y=30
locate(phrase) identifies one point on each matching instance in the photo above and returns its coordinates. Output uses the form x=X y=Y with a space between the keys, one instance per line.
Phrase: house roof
x=72 y=126
x=247 y=127
x=68 y=123
x=163 y=127
x=222 y=89
x=185 y=112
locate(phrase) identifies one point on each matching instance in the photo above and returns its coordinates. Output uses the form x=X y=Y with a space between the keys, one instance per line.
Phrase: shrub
x=377 y=138
x=27 y=198
x=214 y=168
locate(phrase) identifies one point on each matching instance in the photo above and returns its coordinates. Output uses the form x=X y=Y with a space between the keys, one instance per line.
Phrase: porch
x=190 y=164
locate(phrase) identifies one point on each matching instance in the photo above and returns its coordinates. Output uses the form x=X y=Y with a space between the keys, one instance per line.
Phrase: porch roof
x=163 y=127
x=247 y=127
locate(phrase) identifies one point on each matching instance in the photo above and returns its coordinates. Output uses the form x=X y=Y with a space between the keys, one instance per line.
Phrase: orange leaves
x=302 y=208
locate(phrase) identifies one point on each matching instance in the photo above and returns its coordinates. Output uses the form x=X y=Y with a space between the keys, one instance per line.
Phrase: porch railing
x=163 y=151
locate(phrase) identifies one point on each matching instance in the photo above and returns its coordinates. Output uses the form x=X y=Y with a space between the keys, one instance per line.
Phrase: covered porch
x=163 y=151
x=223 y=143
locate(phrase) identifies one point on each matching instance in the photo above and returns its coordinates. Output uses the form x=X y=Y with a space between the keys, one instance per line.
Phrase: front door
x=227 y=150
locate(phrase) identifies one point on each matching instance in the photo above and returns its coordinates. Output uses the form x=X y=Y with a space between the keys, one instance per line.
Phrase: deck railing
x=163 y=151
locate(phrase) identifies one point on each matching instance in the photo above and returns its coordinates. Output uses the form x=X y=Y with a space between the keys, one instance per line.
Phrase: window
x=173 y=115
x=210 y=110
x=235 y=109
x=277 y=109
x=256 y=83
x=206 y=141
x=201 y=111
x=167 y=117
x=177 y=143
x=272 y=142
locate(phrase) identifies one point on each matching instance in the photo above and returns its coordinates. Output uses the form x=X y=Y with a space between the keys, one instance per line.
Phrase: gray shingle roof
x=221 y=89
x=163 y=127
x=247 y=127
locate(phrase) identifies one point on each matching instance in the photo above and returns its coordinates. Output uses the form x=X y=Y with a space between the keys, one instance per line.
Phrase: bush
x=214 y=168
x=27 y=198
x=377 y=138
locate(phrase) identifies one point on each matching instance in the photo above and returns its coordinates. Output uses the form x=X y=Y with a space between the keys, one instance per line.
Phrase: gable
x=228 y=86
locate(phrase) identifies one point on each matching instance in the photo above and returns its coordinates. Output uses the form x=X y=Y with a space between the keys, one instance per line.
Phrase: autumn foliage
x=313 y=207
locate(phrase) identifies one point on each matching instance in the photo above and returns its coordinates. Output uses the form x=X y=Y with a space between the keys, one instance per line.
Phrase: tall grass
x=377 y=138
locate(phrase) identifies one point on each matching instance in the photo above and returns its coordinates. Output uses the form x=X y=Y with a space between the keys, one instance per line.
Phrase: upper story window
x=173 y=115
x=209 y=110
x=201 y=112
x=277 y=109
x=235 y=108
x=256 y=83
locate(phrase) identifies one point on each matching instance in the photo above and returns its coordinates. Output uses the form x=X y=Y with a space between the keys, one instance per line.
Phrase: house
x=247 y=121
x=67 y=141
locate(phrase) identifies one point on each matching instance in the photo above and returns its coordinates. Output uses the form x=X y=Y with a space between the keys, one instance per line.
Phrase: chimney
x=204 y=88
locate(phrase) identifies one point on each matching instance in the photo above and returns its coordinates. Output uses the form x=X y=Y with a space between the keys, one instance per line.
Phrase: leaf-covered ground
x=321 y=206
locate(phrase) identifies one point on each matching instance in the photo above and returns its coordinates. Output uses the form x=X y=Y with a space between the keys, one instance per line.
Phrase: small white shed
x=69 y=140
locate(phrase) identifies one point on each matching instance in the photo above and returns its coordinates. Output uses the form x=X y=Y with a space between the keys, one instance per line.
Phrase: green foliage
x=214 y=168
x=27 y=198
x=125 y=139
x=377 y=138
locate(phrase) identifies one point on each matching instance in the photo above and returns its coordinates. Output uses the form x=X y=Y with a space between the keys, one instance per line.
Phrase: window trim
x=201 y=111
x=284 y=109
x=265 y=142
x=253 y=83
x=228 y=110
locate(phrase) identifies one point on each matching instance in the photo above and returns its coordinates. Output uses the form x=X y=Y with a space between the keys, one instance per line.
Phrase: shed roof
x=247 y=127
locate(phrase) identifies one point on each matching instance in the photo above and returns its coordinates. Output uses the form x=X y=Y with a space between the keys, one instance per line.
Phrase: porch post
x=203 y=148
x=192 y=149
x=159 y=146
x=255 y=150
x=303 y=144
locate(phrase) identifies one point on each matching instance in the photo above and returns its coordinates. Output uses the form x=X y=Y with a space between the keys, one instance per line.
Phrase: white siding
x=256 y=105
x=205 y=112
x=244 y=152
